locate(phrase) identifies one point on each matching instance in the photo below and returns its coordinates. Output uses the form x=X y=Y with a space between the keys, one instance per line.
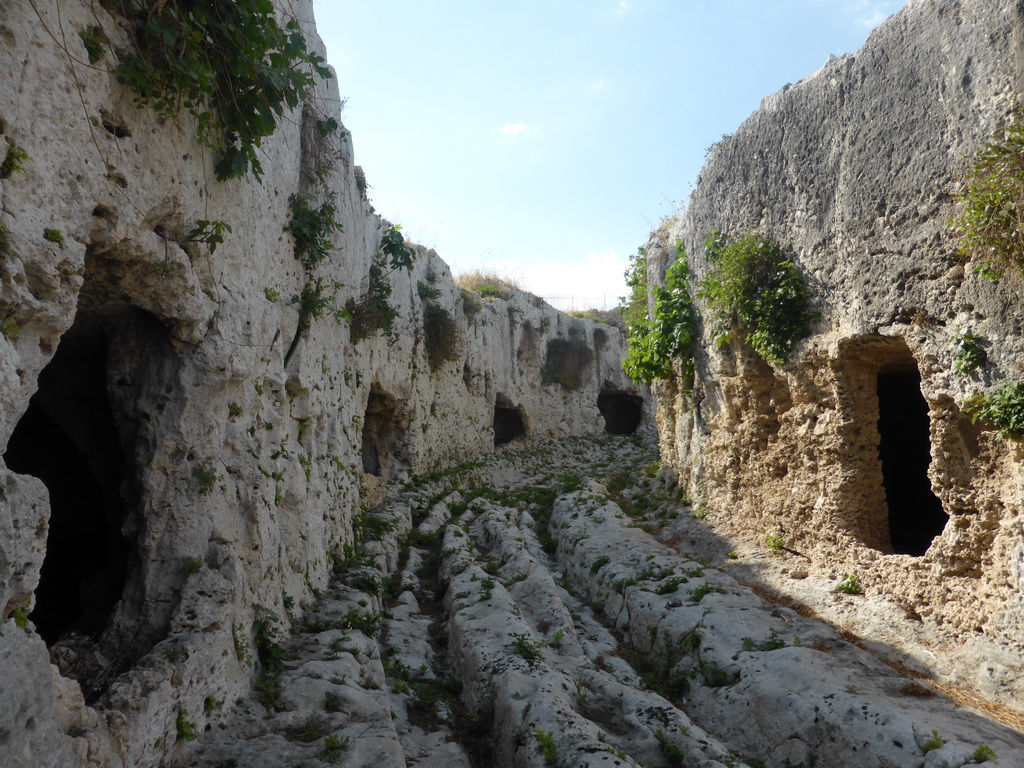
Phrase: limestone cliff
x=857 y=455
x=180 y=445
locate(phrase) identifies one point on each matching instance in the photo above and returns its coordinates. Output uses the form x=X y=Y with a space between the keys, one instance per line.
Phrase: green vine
x=312 y=227
x=230 y=65
x=669 y=332
x=756 y=292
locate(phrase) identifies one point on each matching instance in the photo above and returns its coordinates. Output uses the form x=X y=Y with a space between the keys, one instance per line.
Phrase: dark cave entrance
x=509 y=423
x=68 y=438
x=384 y=427
x=621 y=410
x=916 y=516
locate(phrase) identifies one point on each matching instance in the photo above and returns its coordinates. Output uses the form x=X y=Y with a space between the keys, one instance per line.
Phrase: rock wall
x=854 y=171
x=203 y=453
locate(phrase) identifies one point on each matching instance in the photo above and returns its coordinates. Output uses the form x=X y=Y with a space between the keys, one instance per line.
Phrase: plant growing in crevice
x=548 y=747
x=205 y=476
x=990 y=227
x=373 y=312
x=1003 y=409
x=185 y=730
x=230 y=65
x=209 y=232
x=440 y=336
x=312 y=227
x=270 y=654
x=968 y=353
x=757 y=294
x=13 y=162
x=54 y=236
x=93 y=39
x=933 y=742
x=983 y=753
x=849 y=586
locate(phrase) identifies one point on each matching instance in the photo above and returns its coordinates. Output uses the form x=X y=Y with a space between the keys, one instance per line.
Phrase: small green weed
x=271 y=294
x=968 y=353
x=205 y=476
x=548 y=748
x=599 y=563
x=54 y=236
x=933 y=742
x=335 y=747
x=14 y=161
x=697 y=594
x=775 y=543
x=185 y=730
x=93 y=39
x=849 y=586
x=983 y=753
x=528 y=649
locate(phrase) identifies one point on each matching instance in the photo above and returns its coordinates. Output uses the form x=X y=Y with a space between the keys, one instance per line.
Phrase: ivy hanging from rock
x=229 y=64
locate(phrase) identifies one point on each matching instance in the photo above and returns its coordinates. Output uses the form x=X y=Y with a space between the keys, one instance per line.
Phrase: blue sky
x=545 y=138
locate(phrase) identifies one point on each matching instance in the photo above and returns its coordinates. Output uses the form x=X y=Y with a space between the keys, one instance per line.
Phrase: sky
x=545 y=139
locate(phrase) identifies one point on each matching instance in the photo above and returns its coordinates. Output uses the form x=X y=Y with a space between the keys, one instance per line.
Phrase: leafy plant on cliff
x=968 y=354
x=209 y=232
x=991 y=225
x=269 y=652
x=94 y=40
x=670 y=331
x=1003 y=409
x=14 y=161
x=373 y=311
x=312 y=227
x=757 y=293
x=230 y=65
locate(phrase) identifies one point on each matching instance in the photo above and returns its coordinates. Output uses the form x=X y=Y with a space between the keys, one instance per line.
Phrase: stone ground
x=559 y=605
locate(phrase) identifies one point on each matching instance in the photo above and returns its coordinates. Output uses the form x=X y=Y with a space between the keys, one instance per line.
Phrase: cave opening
x=69 y=439
x=621 y=411
x=509 y=423
x=916 y=516
x=384 y=428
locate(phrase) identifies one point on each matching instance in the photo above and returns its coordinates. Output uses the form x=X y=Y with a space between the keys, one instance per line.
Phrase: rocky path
x=511 y=613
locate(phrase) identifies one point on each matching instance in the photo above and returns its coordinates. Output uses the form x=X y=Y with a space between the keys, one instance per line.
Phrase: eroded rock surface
x=203 y=437
x=525 y=619
x=854 y=172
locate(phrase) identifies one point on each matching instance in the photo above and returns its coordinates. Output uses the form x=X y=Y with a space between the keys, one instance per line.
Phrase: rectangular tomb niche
x=622 y=411
x=509 y=421
x=916 y=516
x=886 y=498
x=384 y=433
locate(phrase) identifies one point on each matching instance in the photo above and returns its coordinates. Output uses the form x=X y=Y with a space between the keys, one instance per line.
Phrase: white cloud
x=870 y=13
x=513 y=131
x=596 y=281
x=596 y=86
x=623 y=8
